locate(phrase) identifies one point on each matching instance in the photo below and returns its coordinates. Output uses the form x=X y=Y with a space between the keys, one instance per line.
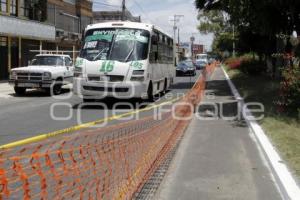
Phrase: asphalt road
x=32 y=114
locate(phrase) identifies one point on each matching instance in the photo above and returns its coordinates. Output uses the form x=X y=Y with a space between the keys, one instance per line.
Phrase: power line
x=143 y=11
x=106 y=4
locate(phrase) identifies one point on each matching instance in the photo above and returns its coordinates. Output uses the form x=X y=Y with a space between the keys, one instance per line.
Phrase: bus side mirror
x=154 y=40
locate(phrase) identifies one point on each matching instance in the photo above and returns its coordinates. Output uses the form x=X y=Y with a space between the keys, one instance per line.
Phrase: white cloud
x=188 y=24
x=159 y=13
x=114 y=2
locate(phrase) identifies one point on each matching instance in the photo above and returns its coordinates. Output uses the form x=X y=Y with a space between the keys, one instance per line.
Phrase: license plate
x=104 y=78
x=29 y=85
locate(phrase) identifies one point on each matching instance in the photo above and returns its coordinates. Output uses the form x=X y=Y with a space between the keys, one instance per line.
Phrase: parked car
x=200 y=64
x=46 y=71
x=186 y=68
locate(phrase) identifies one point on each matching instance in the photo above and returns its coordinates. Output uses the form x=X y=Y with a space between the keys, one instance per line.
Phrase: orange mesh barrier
x=106 y=163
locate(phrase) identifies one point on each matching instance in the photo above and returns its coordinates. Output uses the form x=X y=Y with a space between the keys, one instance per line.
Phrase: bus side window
x=154 y=49
x=160 y=53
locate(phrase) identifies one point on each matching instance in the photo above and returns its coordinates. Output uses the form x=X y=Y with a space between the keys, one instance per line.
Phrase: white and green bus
x=124 y=60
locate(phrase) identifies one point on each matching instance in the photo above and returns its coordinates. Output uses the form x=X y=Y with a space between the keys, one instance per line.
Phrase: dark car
x=200 y=64
x=185 y=68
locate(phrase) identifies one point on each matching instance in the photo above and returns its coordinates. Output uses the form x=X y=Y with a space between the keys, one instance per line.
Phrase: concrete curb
x=287 y=184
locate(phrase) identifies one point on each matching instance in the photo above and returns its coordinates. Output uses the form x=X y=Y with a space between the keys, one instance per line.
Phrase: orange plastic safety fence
x=104 y=163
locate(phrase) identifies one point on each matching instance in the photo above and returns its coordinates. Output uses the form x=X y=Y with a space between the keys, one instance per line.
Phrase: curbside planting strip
x=287 y=184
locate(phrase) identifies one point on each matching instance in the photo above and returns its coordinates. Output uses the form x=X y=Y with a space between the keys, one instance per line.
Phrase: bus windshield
x=118 y=44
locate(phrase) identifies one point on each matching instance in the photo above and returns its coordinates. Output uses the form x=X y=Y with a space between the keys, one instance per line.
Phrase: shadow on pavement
x=227 y=111
x=183 y=85
x=219 y=87
x=122 y=104
x=112 y=103
x=38 y=93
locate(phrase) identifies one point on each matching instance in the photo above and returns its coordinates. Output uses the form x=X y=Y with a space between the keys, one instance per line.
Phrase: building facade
x=104 y=16
x=198 y=49
x=27 y=25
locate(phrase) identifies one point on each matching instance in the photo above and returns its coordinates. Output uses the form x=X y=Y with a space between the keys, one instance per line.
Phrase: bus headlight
x=138 y=79
x=78 y=72
x=138 y=72
x=47 y=76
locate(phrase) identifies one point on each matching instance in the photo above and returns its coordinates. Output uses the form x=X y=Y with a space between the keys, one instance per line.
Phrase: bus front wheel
x=150 y=92
x=165 y=86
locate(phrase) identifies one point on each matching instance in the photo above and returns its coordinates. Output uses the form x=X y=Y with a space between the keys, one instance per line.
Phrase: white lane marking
x=287 y=183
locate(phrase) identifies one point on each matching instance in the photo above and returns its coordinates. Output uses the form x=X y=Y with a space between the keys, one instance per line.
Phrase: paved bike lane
x=218 y=158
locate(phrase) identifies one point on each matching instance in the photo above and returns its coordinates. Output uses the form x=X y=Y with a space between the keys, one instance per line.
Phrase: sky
x=160 y=13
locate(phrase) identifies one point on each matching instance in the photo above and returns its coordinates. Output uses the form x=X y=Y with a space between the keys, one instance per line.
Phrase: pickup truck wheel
x=57 y=87
x=19 y=90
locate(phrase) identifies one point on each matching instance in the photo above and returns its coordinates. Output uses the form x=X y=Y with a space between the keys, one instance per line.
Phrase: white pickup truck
x=46 y=71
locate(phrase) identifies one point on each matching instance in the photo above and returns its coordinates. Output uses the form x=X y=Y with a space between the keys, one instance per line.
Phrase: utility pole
x=178 y=43
x=175 y=20
x=123 y=10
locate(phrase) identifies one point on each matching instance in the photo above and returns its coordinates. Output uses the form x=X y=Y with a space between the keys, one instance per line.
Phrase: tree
x=265 y=17
x=258 y=22
x=212 y=21
x=222 y=43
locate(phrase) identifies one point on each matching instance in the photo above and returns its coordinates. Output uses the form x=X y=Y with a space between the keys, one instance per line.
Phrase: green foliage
x=223 y=42
x=249 y=64
x=266 y=17
x=212 y=21
x=252 y=67
x=257 y=21
x=290 y=88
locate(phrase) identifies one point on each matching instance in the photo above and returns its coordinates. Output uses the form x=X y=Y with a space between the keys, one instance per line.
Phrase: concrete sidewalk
x=5 y=90
x=218 y=159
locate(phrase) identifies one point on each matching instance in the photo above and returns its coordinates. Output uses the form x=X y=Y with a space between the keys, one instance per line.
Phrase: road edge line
x=287 y=184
